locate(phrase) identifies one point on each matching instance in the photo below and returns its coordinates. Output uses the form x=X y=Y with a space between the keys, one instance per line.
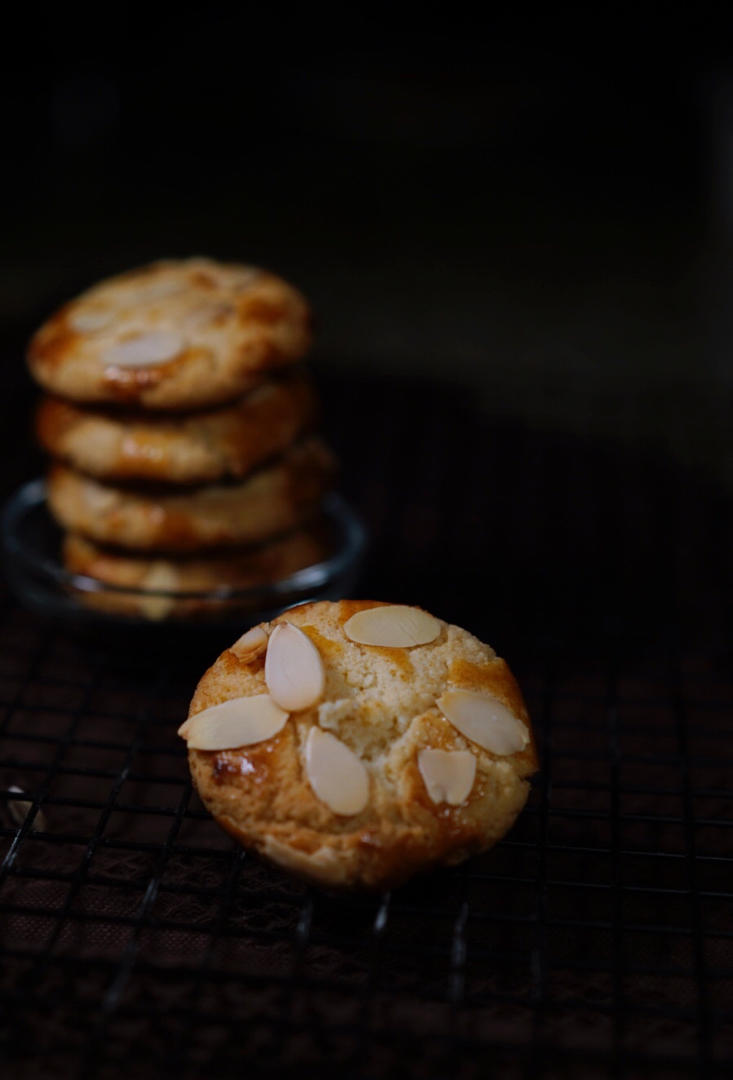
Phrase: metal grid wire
x=595 y=940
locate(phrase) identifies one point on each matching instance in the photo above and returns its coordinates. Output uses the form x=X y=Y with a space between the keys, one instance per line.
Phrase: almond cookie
x=237 y=569
x=227 y=442
x=356 y=743
x=270 y=501
x=176 y=334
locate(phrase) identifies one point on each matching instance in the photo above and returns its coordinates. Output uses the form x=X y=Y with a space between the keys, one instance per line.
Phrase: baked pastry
x=236 y=569
x=176 y=334
x=355 y=743
x=226 y=442
x=270 y=501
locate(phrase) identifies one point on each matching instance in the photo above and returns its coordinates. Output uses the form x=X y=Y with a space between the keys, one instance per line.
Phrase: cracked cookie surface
x=175 y=334
x=380 y=704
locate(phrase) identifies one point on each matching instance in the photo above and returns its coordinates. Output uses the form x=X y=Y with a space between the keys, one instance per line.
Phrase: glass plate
x=31 y=542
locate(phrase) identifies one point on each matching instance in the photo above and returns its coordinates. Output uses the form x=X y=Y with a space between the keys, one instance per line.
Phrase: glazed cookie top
x=356 y=742
x=176 y=334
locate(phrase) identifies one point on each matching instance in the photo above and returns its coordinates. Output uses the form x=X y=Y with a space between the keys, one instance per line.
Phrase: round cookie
x=227 y=442
x=270 y=501
x=175 y=334
x=348 y=762
x=237 y=569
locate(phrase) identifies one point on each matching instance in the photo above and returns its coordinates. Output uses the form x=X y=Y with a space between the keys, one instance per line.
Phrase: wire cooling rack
x=595 y=940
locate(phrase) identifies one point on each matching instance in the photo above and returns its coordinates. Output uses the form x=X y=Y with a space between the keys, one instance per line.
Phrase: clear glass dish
x=31 y=543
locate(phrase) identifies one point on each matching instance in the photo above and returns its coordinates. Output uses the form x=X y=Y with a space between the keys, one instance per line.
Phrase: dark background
x=517 y=241
x=518 y=230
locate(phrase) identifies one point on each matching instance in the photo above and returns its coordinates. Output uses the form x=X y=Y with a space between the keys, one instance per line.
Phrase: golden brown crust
x=237 y=569
x=233 y=324
x=384 y=710
x=271 y=501
x=227 y=442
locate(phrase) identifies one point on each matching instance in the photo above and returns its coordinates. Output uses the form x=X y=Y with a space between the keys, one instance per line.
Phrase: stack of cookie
x=182 y=431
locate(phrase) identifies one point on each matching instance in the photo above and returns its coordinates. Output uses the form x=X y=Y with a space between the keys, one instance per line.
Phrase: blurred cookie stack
x=182 y=430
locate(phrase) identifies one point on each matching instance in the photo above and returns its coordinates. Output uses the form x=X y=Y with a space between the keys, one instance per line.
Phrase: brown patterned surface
x=596 y=940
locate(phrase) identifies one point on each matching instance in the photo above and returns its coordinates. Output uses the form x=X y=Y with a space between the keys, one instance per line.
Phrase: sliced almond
x=448 y=774
x=90 y=321
x=99 y=499
x=485 y=720
x=208 y=314
x=19 y=809
x=396 y=626
x=250 y=645
x=163 y=578
x=237 y=722
x=158 y=290
x=293 y=668
x=335 y=773
x=246 y=277
x=145 y=350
